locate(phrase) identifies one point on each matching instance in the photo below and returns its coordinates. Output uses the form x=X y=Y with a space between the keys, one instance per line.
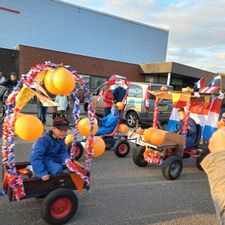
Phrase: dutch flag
x=206 y=115
x=215 y=81
x=199 y=84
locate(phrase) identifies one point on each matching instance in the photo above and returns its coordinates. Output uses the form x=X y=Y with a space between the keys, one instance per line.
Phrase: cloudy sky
x=196 y=28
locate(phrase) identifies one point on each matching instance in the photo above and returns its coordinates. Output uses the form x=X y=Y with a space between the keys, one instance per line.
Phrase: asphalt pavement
x=123 y=194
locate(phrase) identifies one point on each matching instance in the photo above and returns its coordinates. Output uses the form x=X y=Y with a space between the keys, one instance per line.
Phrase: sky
x=196 y=28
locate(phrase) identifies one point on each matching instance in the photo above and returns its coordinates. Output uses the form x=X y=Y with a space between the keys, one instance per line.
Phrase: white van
x=140 y=104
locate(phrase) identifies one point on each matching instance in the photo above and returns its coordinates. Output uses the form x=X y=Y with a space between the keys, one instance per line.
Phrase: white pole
x=168 y=79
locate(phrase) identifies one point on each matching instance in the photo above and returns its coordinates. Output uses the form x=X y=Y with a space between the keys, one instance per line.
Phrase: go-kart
x=60 y=202
x=116 y=140
x=171 y=152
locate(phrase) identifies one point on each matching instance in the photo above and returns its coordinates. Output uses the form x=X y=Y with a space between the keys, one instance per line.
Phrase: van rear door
x=165 y=106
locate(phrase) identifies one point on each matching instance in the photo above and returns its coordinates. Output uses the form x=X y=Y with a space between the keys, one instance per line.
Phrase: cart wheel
x=172 y=167
x=200 y=158
x=59 y=206
x=138 y=156
x=79 y=150
x=122 y=148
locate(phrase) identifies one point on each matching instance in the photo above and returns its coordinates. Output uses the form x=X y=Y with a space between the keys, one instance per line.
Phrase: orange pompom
x=98 y=146
x=119 y=105
x=68 y=139
x=60 y=81
x=157 y=137
x=123 y=128
x=139 y=131
x=28 y=127
x=147 y=133
x=84 y=127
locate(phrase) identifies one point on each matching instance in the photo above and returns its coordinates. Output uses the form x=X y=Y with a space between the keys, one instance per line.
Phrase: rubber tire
x=167 y=166
x=138 y=156
x=53 y=196
x=116 y=148
x=200 y=158
x=81 y=150
x=132 y=114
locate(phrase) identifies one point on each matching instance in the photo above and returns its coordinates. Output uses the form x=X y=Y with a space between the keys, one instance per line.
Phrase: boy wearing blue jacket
x=49 y=152
x=108 y=123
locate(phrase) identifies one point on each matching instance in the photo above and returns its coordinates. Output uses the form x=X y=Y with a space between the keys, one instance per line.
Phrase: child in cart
x=108 y=123
x=49 y=152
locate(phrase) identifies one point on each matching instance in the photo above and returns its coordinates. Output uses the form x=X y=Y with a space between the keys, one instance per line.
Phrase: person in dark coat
x=119 y=92
x=12 y=82
x=192 y=128
x=49 y=152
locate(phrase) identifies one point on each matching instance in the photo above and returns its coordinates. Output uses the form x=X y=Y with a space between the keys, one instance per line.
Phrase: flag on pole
x=215 y=81
x=199 y=84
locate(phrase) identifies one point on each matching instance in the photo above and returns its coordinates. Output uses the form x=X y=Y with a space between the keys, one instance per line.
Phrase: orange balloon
x=60 y=81
x=68 y=139
x=98 y=146
x=28 y=127
x=157 y=137
x=84 y=127
x=120 y=105
x=139 y=131
x=63 y=80
x=147 y=133
x=48 y=81
x=123 y=128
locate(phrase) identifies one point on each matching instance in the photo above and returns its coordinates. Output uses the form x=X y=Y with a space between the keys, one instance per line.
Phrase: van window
x=135 y=91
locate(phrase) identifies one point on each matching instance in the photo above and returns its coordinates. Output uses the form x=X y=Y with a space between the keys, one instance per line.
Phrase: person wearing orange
x=108 y=100
x=221 y=123
x=214 y=166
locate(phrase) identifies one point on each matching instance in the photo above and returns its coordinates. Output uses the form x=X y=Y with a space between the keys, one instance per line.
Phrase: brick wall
x=30 y=56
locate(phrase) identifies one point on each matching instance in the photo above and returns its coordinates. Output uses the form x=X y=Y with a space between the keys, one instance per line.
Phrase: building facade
x=59 y=26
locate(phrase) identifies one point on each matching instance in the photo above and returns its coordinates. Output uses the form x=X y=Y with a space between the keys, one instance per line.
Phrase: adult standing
x=42 y=111
x=12 y=82
x=120 y=92
x=214 y=166
x=108 y=100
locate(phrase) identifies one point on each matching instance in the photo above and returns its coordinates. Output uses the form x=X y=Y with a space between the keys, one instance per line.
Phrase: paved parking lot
x=122 y=194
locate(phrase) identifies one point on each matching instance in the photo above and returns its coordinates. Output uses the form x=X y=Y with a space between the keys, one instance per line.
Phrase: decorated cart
x=117 y=139
x=166 y=148
x=60 y=202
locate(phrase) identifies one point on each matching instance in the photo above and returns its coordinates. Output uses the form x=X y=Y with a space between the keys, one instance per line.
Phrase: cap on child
x=61 y=123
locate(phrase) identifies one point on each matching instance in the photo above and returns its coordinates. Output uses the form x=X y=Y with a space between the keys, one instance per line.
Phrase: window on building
x=176 y=81
x=162 y=80
x=152 y=79
x=97 y=81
